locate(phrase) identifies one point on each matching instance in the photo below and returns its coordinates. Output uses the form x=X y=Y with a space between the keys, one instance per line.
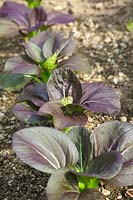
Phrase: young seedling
x=65 y=99
x=43 y=53
x=78 y=160
x=18 y=19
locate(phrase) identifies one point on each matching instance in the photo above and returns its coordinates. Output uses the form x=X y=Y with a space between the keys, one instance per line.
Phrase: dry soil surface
x=107 y=47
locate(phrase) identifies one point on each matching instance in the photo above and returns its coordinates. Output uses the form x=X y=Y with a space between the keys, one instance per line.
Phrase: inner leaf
x=66 y=101
x=50 y=63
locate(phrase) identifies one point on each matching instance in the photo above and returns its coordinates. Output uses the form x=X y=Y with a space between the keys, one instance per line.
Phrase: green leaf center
x=85 y=183
x=66 y=101
x=50 y=63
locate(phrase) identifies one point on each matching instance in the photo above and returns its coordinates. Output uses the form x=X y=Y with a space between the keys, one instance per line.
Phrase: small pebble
x=119 y=196
x=10 y=182
x=106 y=192
x=115 y=80
x=107 y=40
x=123 y=119
x=1 y=137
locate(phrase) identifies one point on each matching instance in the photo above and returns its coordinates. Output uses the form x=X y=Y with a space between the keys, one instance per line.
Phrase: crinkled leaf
x=13 y=82
x=98 y=97
x=44 y=148
x=20 y=65
x=59 y=18
x=60 y=120
x=36 y=93
x=8 y=28
x=81 y=138
x=63 y=83
x=66 y=188
x=105 y=166
x=34 y=52
x=26 y=114
x=116 y=136
x=75 y=63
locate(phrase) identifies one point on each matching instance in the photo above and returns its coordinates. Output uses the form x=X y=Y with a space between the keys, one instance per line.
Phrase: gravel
x=107 y=48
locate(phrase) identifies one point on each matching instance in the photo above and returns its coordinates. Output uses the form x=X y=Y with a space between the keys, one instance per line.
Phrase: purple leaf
x=8 y=6
x=75 y=63
x=81 y=138
x=98 y=97
x=25 y=113
x=91 y=194
x=48 y=47
x=62 y=185
x=18 y=65
x=116 y=136
x=64 y=83
x=33 y=51
x=60 y=120
x=66 y=47
x=37 y=18
x=36 y=93
x=45 y=149
x=56 y=43
x=15 y=12
x=59 y=18
x=66 y=188
x=41 y=38
x=8 y=28
x=58 y=40
x=125 y=176
x=30 y=20
x=105 y=166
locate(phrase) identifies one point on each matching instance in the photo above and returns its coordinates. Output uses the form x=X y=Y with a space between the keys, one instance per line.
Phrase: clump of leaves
x=65 y=99
x=43 y=53
x=18 y=19
x=78 y=160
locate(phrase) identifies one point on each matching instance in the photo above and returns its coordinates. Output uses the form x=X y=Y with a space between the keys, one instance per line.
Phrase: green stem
x=37 y=79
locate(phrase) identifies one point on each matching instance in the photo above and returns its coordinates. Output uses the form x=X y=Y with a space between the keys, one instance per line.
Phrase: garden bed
x=108 y=49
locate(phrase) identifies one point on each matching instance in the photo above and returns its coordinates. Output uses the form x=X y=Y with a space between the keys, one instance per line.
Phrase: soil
x=107 y=48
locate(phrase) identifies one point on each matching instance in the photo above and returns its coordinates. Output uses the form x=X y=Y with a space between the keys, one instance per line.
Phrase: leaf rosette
x=16 y=19
x=78 y=160
x=43 y=54
x=66 y=100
